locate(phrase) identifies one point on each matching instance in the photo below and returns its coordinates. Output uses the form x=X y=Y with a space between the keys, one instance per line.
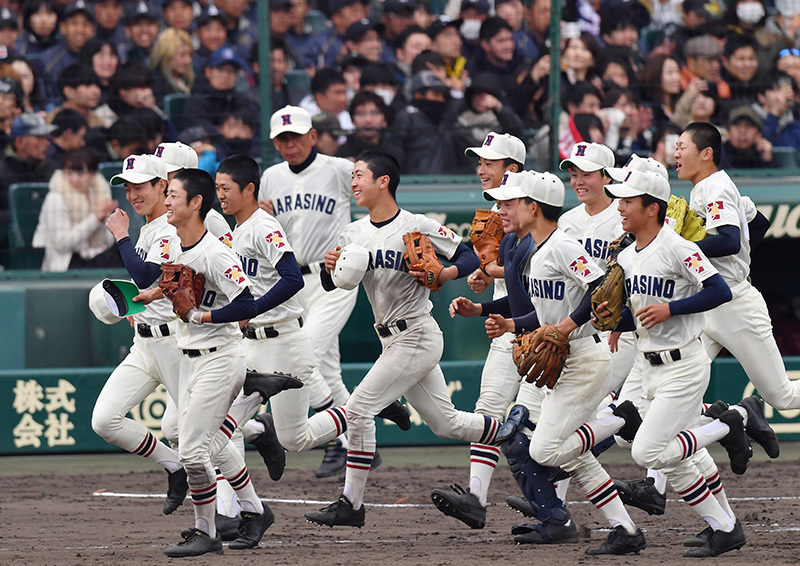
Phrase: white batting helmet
x=110 y=300
x=350 y=267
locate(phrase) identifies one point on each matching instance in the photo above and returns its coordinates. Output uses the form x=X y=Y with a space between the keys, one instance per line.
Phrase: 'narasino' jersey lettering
x=308 y=201
x=596 y=247
x=548 y=289
x=387 y=259
x=249 y=265
x=649 y=285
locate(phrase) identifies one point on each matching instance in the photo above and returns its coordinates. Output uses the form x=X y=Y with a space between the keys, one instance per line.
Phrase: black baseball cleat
x=176 y=490
x=334 y=461
x=699 y=539
x=719 y=542
x=195 y=543
x=252 y=529
x=518 y=418
x=227 y=527
x=269 y=384
x=460 y=504
x=642 y=494
x=758 y=428
x=269 y=447
x=633 y=420
x=398 y=414
x=521 y=505
x=620 y=542
x=547 y=533
x=716 y=409
x=338 y=513
x=736 y=442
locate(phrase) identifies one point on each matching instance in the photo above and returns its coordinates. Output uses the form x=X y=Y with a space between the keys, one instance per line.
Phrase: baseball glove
x=542 y=368
x=183 y=286
x=620 y=244
x=677 y=207
x=486 y=233
x=685 y=220
x=611 y=289
x=420 y=256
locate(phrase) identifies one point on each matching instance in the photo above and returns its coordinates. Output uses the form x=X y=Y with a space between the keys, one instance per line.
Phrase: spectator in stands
x=214 y=99
x=171 y=61
x=614 y=67
x=124 y=137
x=153 y=124
x=413 y=41
x=77 y=28
x=10 y=96
x=422 y=14
x=71 y=225
x=537 y=16
x=666 y=12
x=178 y=14
x=696 y=14
x=699 y=103
x=371 y=118
x=781 y=31
x=278 y=65
x=79 y=86
x=9 y=29
x=740 y=68
x=302 y=41
x=661 y=86
x=242 y=32
x=39 y=25
x=351 y=67
x=108 y=14
x=69 y=135
x=141 y=27
x=363 y=37
x=446 y=40
x=398 y=15
x=497 y=55
x=237 y=135
x=25 y=158
x=280 y=22
x=423 y=138
x=629 y=137
x=329 y=95
x=619 y=28
x=513 y=12
x=381 y=78
x=103 y=57
x=328 y=133
x=664 y=144
x=789 y=62
x=131 y=87
x=472 y=15
x=211 y=33
x=32 y=100
x=485 y=110
x=578 y=57
x=746 y=146
x=344 y=14
x=775 y=100
x=704 y=62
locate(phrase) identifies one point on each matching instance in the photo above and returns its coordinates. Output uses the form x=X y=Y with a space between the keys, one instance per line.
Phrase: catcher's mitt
x=421 y=256
x=684 y=220
x=486 y=233
x=183 y=286
x=611 y=289
x=542 y=368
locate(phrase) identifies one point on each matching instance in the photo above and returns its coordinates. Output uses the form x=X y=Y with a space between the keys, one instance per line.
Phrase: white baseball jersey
x=394 y=293
x=594 y=233
x=717 y=199
x=260 y=244
x=668 y=269
x=157 y=244
x=224 y=281
x=558 y=275
x=313 y=206
x=219 y=227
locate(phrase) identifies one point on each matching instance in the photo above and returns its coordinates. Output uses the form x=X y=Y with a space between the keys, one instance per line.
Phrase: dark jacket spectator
x=746 y=146
x=40 y=34
x=69 y=135
x=370 y=117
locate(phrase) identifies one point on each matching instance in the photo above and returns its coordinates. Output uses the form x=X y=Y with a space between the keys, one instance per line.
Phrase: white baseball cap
x=176 y=156
x=351 y=266
x=638 y=183
x=545 y=188
x=589 y=157
x=509 y=187
x=140 y=169
x=111 y=300
x=636 y=163
x=499 y=146
x=289 y=119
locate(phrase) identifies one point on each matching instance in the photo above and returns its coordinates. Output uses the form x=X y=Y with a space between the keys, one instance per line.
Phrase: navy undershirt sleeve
x=581 y=314
x=714 y=292
x=242 y=307
x=143 y=273
x=499 y=306
x=525 y=323
x=758 y=228
x=289 y=284
x=727 y=242
x=626 y=323
x=465 y=260
x=326 y=280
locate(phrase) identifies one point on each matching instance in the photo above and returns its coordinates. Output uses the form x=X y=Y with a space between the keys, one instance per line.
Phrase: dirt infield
x=56 y=519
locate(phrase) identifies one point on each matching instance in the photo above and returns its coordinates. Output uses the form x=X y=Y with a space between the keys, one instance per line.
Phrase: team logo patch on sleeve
x=695 y=262
x=227 y=239
x=447 y=233
x=580 y=266
x=235 y=274
x=163 y=246
x=276 y=239
x=713 y=210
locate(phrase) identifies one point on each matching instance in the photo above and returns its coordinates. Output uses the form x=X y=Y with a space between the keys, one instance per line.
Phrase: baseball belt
x=659 y=358
x=147 y=331
x=385 y=330
x=198 y=353
x=263 y=332
x=313 y=268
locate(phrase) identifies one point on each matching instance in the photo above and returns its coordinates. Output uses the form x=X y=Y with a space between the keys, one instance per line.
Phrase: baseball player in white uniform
x=499 y=154
x=743 y=325
x=559 y=277
x=411 y=339
x=309 y=194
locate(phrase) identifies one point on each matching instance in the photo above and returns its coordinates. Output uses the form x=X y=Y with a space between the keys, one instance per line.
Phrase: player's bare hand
x=446 y=274
x=266 y=206
x=496 y=325
x=130 y=321
x=602 y=311
x=243 y=323
x=147 y=297
x=478 y=281
x=653 y=314
x=464 y=307
x=331 y=257
x=118 y=224
x=613 y=340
